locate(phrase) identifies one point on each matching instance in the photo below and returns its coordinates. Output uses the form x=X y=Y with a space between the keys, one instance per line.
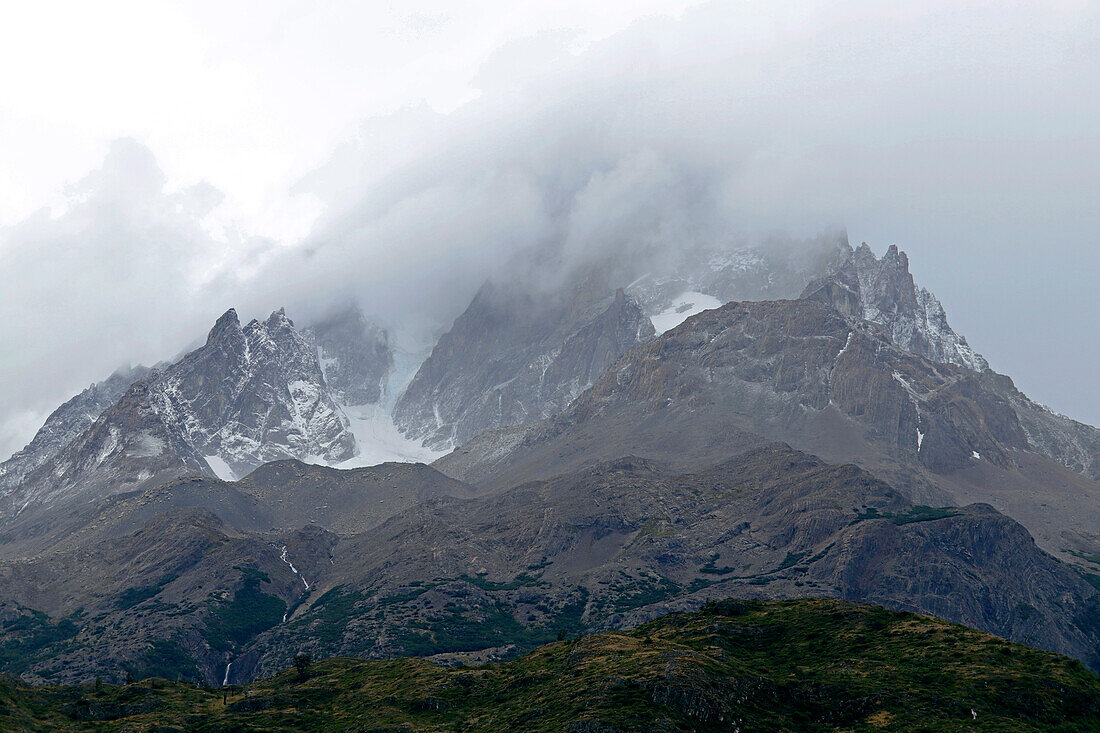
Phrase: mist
x=967 y=136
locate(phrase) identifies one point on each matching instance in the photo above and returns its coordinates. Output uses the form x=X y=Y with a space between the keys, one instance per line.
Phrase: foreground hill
x=806 y=665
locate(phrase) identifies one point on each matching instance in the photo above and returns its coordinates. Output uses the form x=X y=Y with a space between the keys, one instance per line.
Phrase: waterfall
x=292 y=568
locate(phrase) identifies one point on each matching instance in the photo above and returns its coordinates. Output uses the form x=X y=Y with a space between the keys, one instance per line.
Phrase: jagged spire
x=227 y=323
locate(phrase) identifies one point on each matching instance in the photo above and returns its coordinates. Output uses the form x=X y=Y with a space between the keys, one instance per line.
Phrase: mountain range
x=610 y=441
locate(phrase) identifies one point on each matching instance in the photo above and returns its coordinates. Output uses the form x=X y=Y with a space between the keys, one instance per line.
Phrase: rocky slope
x=735 y=665
x=618 y=543
x=516 y=355
x=249 y=395
x=802 y=372
x=397 y=560
x=63 y=426
x=252 y=395
x=355 y=356
x=131 y=445
x=526 y=347
x=913 y=317
x=882 y=289
x=189 y=569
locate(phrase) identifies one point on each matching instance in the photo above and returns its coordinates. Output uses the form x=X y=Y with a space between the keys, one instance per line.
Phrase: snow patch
x=845 y=348
x=684 y=306
x=220 y=468
x=920 y=439
x=380 y=441
x=975 y=454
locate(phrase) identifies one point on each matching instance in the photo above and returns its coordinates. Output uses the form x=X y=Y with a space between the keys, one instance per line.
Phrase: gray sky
x=174 y=160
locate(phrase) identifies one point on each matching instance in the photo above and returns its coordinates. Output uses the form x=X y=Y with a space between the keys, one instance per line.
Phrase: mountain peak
x=896 y=259
x=226 y=324
x=278 y=317
x=913 y=317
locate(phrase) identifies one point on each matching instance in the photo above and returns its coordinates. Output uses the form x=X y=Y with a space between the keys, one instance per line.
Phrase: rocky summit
x=517 y=355
x=249 y=395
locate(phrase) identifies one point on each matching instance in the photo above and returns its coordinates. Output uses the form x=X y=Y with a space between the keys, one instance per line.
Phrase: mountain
x=734 y=665
x=253 y=395
x=526 y=346
x=629 y=453
x=399 y=559
x=802 y=372
x=625 y=540
x=517 y=354
x=249 y=395
x=882 y=292
x=355 y=356
x=131 y=445
x=191 y=569
x=63 y=426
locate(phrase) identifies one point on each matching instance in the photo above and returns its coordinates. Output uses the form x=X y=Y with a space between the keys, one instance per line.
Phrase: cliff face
x=354 y=354
x=912 y=316
x=249 y=395
x=253 y=395
x=63 y=426
x=516 y=355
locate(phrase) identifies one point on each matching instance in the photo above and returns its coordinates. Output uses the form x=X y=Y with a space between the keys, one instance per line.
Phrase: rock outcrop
x=252 y=395
x=249 y=395
x=63 y=426
x=912 y=316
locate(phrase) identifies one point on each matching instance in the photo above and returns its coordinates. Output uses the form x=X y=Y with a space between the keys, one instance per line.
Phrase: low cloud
x=963 y=133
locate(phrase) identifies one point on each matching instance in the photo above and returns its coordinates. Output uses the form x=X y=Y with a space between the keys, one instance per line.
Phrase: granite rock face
x=913 y=317
x=252 y=395
x=249 y=395
x=64 y=425
x=355 y=355
x=517 y=355
x=130 y=446
x=882 y=292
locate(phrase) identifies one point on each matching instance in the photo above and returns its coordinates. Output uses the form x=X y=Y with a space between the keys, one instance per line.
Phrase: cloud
x=733 y=120
x=118 y=274
x=966 y=133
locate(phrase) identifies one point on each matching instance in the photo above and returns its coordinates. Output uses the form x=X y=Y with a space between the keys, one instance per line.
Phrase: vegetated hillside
x=805 y=665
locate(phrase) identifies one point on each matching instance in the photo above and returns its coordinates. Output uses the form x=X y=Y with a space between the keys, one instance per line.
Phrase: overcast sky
x=161 y=162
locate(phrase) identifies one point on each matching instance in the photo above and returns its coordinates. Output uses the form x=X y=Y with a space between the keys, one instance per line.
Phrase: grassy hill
x=805 y=665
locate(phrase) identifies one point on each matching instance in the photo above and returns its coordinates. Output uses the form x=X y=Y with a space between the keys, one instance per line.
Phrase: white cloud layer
x=966 y=133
